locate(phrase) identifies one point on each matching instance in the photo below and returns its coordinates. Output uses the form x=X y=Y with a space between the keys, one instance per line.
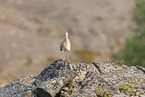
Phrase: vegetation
x=44 y=30
x=86 y=56
x=50 y=59
x=37 y=19
x=76 y=20
x=117 y=69
x=1 y=85
x=100 y=93
x=134 y=51
x=127 y=88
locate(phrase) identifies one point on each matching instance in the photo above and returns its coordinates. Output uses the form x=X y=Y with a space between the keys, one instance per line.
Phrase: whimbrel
x=65 y=46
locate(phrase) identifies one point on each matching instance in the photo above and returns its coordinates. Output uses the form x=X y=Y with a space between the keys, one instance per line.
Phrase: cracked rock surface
x=65 y=79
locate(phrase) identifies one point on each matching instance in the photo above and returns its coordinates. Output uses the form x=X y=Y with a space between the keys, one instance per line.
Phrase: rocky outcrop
x=65 y=79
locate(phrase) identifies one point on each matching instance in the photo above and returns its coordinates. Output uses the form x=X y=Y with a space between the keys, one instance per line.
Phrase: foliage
x=127 y=88
x=97 y=91
x=86 y=56
x=1 y=85
x=134 y=51
x=100 y=93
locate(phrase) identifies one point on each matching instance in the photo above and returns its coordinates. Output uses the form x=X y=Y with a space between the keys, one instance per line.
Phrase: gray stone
x=141 y=68
x=52 y=86
x=57 y=69
x=121 y=95
x=18 y=88
x=105 y=67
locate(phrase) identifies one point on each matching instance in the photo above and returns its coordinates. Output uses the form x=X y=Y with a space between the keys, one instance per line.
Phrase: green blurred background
x=134 y=49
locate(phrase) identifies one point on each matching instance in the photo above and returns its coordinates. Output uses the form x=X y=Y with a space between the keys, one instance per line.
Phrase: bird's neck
x=66 y=37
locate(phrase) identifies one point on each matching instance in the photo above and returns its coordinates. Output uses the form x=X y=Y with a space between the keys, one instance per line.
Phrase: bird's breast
x=66 y=45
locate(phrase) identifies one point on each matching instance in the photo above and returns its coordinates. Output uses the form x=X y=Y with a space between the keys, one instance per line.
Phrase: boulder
x=19 y=88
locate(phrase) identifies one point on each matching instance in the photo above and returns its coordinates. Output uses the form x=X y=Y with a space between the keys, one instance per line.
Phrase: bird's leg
x=68 y=54
x=63 y=54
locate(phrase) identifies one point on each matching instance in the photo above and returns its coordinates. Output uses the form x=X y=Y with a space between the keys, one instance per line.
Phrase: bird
x=65 y=46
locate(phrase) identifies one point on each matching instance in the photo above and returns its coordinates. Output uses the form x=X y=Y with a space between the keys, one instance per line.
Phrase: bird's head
x=65 y=33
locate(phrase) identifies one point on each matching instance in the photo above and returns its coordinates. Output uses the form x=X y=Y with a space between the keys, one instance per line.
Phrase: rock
x=55 y=76
x=142 y=95
x=120 y=95
x=18 y=88
x=65 y=79
x=57 y=69
x=29 y=93
x=141 y=68
x=39 y=92
x=84 y=68
x=51 y=87
x=143 y=86
x=105 y=67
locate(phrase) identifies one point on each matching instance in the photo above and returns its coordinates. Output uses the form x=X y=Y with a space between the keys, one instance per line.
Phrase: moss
x=127 y=88
x=86 y=56
x=1 y=85
x=97 y=91
x=100 y=93
x=117 y=69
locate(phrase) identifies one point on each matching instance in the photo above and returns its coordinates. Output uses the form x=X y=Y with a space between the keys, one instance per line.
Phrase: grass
x=86 y=56
x=50 y=59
